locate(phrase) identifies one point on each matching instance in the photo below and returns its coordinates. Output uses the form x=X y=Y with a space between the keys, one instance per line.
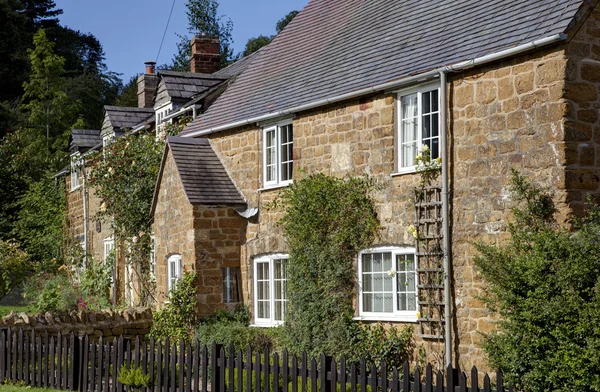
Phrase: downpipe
x=446 y=219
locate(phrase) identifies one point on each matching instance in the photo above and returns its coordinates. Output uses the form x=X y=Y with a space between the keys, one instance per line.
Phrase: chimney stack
x=147 y=86
x=206 y=54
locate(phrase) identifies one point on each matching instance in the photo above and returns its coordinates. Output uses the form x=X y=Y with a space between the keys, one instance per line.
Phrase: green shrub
x=232 y=327
x=327 y=221
x=48 y=293
x=177 y=319
x=134 y=377
x=15 y=266
x=375 y=343
x=96 y=282
x=545 y=285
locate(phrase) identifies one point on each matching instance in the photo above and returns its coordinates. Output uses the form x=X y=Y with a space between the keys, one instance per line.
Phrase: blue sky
x=130 y=30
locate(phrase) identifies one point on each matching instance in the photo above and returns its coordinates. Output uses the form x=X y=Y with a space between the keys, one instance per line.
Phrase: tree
x=254 y=44
x=39 y=224
x=203 y=18
x=15 y=267
x=128 y=95
x=285 y=21
x=49 y=110
x=545 y=286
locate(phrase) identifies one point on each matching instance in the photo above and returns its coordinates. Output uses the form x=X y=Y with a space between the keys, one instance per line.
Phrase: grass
x=16 y=388
x=5 y=310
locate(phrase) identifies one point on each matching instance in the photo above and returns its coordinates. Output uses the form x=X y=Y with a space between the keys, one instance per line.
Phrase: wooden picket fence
x=78 y=364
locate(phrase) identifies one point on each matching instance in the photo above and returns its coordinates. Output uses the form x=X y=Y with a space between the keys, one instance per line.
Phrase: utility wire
x=165 y=33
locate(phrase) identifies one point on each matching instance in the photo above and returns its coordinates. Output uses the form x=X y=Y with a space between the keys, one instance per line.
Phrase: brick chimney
x=147 y=86
x=206 y=54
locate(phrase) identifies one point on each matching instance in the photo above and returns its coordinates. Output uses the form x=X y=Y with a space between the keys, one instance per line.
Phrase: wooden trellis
x=430 y=254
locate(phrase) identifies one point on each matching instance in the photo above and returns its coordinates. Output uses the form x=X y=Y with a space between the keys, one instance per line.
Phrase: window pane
x=434 y=101
x=426 y=126
x=377 y=262
x=287 y=151
x=435 y=125
x=270 y=156
x=409 y=153
x=426 y=99
x=409 y=106
x=366 y=263
x=367 y=302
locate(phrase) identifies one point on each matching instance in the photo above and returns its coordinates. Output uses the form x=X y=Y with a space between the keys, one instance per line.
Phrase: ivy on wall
x=327 y=221
x=123 y=176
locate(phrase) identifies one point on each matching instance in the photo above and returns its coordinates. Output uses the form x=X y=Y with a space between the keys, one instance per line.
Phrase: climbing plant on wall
x=326 y=221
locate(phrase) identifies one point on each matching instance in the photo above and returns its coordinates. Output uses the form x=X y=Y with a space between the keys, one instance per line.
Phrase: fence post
x=75 y=370
x=216 y=367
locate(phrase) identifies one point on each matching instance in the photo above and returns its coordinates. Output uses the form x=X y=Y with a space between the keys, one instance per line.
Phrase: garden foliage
x=177 y=319
x=327 y=220
x=544 y=283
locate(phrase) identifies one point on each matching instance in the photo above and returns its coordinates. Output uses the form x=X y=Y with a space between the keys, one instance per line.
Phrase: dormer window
x=76 y=166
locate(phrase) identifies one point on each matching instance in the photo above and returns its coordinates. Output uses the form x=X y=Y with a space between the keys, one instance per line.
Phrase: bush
x=134 y=377
x=375 y=343
x=48 y=293
x=233 y=328
x=95 y=284
x=326 y=222
x=15 y=266
x=545 y=285
x=177 y=319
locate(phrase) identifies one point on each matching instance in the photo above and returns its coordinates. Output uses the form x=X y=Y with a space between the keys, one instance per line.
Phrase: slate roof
x=239 y=66
x=204 y=178
x=185 y=85
x=127 y=117
x=84 y=139
x=333 y=47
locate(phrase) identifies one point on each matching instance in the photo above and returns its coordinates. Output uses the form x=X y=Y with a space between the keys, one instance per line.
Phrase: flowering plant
x=428 y=167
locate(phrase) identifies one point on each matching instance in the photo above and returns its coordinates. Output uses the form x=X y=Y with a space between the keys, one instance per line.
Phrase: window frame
x=277 y=182
x=419 y=90
x=395 y=315
x=76 y=171
x=270 y=259
x=110 y=241
x=178 y=268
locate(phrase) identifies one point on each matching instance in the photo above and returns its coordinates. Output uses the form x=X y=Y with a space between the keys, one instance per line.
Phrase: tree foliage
x=50 y=112
x=545 y=285
x=285 y=21
x=178 y=318
x=40 y=219
x=203 y=18
x=124 y=178
x=326 y=222
x=256 y=43
x=15 y=266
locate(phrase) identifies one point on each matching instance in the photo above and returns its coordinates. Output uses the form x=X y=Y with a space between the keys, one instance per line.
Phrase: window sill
x=260 y=325
x=403 y=171
x=75 y=189
x=391 y=318
x=275 y=186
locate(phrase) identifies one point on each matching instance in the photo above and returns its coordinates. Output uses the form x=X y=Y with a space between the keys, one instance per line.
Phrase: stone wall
x=173 y=226
x=582 y=125
x=502 y=117
x=349 y=139
x=219 y=232
x=107 y=324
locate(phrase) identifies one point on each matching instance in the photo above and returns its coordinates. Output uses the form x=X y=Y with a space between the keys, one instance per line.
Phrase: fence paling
x=80 y=364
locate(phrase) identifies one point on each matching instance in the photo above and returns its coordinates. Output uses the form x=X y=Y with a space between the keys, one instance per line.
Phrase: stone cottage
x=353 y=88
x=162 y=97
